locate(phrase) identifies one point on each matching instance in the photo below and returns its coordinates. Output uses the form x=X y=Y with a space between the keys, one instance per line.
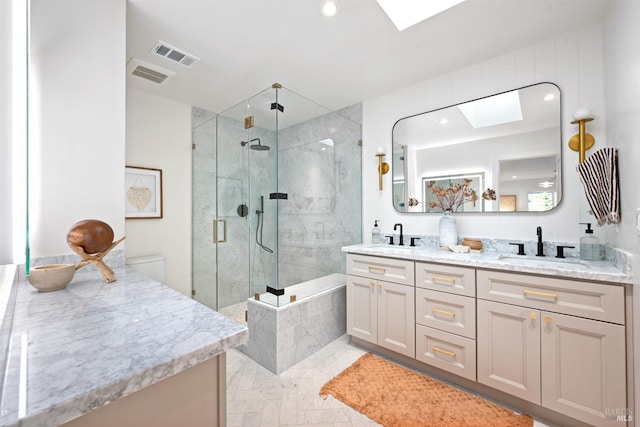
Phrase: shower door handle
x=216 y=227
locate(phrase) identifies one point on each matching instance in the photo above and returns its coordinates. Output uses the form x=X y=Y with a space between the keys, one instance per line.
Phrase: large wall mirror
x=510 y=143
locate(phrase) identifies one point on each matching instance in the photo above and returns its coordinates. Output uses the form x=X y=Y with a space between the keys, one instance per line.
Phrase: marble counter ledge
x=92 y=343
x=601 y=271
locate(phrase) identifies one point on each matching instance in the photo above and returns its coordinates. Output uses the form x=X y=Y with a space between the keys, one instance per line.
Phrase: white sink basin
x=544 y=261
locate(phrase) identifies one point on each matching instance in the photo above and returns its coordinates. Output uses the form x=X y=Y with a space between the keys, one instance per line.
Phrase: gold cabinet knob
x=372 y=283
x=532 y=315
x=548 y=319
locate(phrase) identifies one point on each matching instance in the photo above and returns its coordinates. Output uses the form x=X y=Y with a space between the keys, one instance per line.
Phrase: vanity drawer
x=446 y=278
x=584 y=299
x=448 y=312
x=379 y=268
x=446 y=351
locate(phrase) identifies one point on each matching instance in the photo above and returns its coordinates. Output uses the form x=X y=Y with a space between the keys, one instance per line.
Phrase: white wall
x=6 y=219
x=77 y=115
x=159 y=136
x=574 y=61
x=622 y=83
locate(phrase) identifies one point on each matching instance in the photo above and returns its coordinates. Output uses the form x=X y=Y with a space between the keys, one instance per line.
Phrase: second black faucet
x=401 y=242
x=540 y=245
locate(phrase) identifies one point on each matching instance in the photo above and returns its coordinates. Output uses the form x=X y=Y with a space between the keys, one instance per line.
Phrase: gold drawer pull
x=439 y=350
x=548 y=319
x=447 y=313
x=380 y=269
x=532 y=316
x=372 y=283
x=443 y=279
x=540 y=294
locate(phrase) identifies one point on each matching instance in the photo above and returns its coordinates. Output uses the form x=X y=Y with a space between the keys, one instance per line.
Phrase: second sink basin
x=544 y=261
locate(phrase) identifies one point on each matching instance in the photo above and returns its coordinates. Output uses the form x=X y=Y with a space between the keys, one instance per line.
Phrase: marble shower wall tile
x=320 y=168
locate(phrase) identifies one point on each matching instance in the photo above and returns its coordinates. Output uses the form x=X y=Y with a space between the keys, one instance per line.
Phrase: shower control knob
x=243 y=210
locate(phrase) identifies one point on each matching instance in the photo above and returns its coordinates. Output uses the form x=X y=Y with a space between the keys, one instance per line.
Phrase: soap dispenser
x=589 y=244
x=375 y=233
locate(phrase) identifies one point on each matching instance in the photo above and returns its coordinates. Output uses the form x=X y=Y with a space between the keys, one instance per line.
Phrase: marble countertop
x=79 y=348
x=602 y=271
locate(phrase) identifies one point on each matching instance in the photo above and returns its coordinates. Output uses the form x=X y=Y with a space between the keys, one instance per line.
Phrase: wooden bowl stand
x=96 y=259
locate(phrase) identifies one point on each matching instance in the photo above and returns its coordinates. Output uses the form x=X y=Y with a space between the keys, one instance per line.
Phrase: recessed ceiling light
x=405 y=13
x=549 y=97
x=514 y=177
x=545 y=184
x=330 y=8
x=444 y=121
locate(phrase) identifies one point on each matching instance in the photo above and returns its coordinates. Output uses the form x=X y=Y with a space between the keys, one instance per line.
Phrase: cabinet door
x=396 y=318
x=583 y=368
x=362 y=308
x=509 y=349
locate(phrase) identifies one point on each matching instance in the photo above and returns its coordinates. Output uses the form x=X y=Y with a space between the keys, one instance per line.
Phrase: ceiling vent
x=148 y=71
x=164 y=49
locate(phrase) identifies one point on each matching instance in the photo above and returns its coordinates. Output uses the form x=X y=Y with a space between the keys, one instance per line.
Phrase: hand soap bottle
x=589 y=244
x=375 y=233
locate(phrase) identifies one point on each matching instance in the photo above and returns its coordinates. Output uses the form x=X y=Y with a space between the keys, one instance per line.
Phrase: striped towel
x=599 y=176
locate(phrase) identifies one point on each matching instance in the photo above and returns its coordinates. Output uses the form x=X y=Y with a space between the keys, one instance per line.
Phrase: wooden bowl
x=51 y=277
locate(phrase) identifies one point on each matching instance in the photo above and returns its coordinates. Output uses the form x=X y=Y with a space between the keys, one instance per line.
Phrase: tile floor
x=258 y=398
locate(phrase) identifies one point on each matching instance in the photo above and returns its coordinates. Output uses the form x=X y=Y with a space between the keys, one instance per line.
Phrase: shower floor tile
x=257 y=397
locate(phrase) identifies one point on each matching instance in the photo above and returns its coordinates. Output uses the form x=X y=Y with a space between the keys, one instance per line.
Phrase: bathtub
x=280 y=337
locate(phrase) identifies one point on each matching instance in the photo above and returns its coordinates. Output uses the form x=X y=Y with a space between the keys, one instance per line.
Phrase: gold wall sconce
x=582 y=141
x=383 y=167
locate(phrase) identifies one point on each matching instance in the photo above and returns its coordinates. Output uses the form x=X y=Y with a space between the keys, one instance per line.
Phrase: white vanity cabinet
x=381 y=302
x=446 y=318
x=554 y=342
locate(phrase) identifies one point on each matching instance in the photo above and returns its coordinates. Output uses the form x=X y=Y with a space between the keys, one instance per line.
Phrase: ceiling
x=246 y=45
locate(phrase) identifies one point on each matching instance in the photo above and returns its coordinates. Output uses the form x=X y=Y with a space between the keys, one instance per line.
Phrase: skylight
x=405 y=13
x=493 y=110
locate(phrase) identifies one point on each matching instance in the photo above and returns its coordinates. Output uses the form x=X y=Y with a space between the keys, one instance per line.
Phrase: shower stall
x=276 y=194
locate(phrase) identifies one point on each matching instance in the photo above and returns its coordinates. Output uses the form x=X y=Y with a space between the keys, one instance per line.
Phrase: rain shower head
x=258 y=146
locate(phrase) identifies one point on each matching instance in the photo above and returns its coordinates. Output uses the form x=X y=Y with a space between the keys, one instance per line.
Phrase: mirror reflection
x=502 y=150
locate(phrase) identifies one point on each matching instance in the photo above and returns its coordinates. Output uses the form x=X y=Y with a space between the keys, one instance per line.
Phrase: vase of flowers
x=449 y=199
x=448 y=231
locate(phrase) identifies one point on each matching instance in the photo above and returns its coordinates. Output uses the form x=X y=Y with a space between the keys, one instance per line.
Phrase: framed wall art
x=142 y=192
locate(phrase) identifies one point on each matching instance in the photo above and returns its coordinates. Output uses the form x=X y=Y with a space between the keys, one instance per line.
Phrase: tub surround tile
x=93 y=343
x=280 y=337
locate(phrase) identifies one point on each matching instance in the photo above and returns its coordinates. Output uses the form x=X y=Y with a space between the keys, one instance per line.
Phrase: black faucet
x=540 y=245
x=520 y=248
x=401 y=242
x=560 y=250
